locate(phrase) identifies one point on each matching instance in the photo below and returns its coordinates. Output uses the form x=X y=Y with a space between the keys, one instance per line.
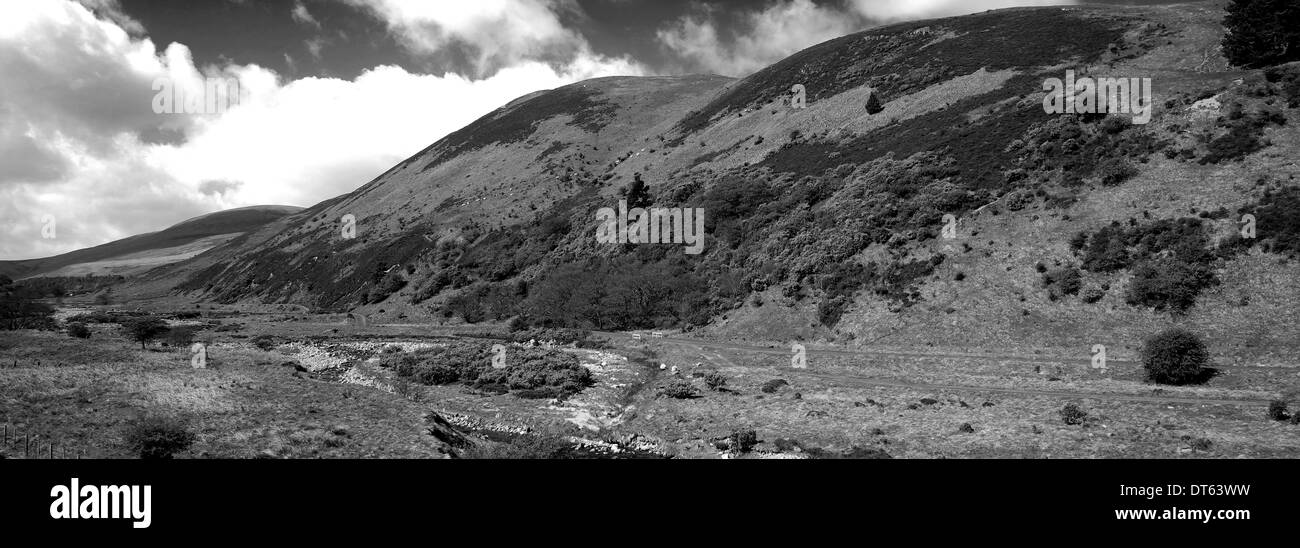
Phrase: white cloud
x=77 y=95
x=301 y=15
x=493 y=33
x=786 y=27
x=769 y=36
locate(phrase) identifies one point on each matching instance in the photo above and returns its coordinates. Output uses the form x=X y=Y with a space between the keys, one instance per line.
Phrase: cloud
x=79 y=139
x=767 y=36
x=485 y=35
x=301 y=15
x=781 y=29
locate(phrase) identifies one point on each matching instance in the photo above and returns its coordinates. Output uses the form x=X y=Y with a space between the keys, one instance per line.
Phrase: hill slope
x=144 y=251
x=826 y=222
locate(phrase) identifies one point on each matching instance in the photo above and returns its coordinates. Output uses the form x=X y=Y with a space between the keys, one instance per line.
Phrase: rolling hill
x=136 y=254
x=826 y=223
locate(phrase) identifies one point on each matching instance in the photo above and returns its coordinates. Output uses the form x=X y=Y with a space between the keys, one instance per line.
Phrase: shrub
x=530 y=372
x=743 y=441
x=1063 y=281
x=1093 y=294
x=679 y=390
x=1115 y=171
x=264 y=342
x=1175 y=356
x=78 y=330
x=772 y=386
x=144 y=329
x=1169 y=284
x=157 y=437
x=715 y=380
x=1072 y=415
x=1277 y=410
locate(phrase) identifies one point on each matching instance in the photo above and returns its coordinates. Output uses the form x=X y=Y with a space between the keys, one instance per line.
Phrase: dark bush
x=1072 y=415
x=1277 y=410
x=529 y=372
x=1175 y=356
x=78 y=330
x=715 y=380
x=772 y=386
x=743 y=441
x=264 y=342
x=157 y=437
x=679 y=390
x=1169 y=284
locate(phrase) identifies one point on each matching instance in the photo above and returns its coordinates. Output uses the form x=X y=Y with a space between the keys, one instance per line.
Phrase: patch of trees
x=1171 y=259
x=21 y=309
x=1261 y=33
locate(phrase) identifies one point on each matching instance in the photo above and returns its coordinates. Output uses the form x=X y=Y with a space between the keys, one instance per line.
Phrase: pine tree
x=638 y=193
x=873 y=104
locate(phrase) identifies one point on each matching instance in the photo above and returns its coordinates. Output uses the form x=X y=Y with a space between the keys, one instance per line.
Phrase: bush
x=679 y=390
x=1093 y=294
x=265 y=343
x=1063 y=281
x=715 y=380
x=529 y=372
x=157 y=437
x=145 y=329
x=1169 y=284
x=1175 y=356
x=1277 y=410
x=1115 y=171
x=772 y=386
x=78 y=330
x=743 y=441
x=1072 y=415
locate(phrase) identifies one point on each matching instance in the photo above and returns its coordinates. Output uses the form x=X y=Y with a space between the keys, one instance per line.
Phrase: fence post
x=27 y=446
x=51 y=450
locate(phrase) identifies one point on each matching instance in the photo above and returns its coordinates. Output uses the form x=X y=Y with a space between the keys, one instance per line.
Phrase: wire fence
x=15 y=444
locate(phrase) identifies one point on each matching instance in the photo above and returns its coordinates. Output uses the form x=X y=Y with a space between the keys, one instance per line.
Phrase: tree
x=1175 y=356
x=638 y=193
x=145 y=329
x=873 y=104
x=1262 y=33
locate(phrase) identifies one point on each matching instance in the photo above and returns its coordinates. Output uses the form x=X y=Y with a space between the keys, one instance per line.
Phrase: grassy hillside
x=825 y=222
x=145 y=250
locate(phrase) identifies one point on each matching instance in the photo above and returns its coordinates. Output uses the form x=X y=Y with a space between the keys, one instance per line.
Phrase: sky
x=331 y=93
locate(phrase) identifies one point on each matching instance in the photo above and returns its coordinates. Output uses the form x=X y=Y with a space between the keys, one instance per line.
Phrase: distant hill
x=138 y=253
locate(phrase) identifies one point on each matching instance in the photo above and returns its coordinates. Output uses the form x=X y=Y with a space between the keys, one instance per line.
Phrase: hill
x=826 y=223
x=142 y=252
